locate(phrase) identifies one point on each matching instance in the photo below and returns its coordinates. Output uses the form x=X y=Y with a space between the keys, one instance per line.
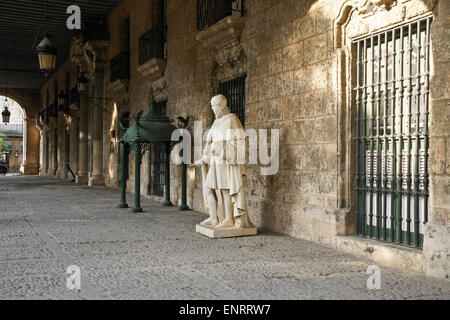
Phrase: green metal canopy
x=149 y=130
x=152 y=128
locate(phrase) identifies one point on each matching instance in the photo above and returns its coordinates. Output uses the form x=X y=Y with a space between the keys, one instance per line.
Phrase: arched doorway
x=28 y=100
x=12 y=139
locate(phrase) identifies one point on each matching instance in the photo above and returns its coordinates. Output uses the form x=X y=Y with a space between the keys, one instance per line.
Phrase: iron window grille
x=120 y=67
x=392 y=95
x=152 y=44
x=209 y=12
x=234 y=91
x=159 y=172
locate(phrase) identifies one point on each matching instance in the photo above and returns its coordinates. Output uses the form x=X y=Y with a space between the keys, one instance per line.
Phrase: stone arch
x=29 y=102
x=23 y=116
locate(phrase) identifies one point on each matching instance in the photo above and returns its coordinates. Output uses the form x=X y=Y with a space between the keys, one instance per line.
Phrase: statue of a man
x=223 y=174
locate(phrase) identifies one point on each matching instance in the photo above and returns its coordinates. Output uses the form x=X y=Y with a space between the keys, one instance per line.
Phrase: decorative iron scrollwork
x=375 y=168
x=424 y=159
x=389 y=169
x=405 y=168
x=369 y=167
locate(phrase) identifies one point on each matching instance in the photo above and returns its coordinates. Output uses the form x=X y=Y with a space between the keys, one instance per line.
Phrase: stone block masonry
x=300 y=66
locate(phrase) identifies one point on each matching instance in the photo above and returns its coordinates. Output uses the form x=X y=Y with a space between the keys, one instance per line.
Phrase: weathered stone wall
x=298 y=64
x=135 y=96
x=436 y=246
x=291 y=86
x=57 y=128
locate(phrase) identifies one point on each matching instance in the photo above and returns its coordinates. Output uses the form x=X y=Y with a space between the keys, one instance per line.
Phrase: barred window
x=209 y=12
x=392 y=101
x=234 y=91
x=159 y=169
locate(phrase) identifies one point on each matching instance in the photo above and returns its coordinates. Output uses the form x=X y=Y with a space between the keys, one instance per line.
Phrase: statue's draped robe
x=222 y=145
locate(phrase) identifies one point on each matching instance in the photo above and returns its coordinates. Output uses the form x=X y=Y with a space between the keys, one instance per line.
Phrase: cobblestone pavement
x=47 y=225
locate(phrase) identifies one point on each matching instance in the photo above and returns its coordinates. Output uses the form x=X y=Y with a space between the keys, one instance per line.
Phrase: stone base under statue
x=229 y=232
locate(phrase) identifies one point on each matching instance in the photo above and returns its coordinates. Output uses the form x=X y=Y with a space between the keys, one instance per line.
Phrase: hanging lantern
x=61 y=100
x=47 y=55
x=82 y=83
x=6 y=115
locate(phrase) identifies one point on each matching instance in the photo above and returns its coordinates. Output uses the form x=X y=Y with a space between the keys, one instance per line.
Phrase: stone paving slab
x=47 y=225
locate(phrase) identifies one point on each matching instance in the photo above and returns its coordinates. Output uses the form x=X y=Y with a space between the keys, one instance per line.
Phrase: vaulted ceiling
x=20 y=21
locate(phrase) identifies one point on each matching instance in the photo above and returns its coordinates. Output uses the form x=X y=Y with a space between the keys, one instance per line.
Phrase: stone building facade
x=300 y=63
x=13 y=132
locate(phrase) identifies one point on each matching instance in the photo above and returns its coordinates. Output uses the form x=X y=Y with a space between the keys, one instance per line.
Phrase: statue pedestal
x=230 y=232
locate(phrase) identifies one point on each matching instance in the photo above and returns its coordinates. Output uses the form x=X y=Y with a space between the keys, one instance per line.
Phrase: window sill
x=226 y=31
x=153 y=69
x=119 y=87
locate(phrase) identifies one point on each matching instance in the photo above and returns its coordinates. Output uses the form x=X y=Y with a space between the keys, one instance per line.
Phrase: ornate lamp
x=46 y=51
x=61 y=100
x=82 y=83
x=47 y=55
x=6 y=115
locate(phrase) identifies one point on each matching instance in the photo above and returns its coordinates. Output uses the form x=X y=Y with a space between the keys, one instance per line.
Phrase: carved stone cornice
x=230 y=57
x=223 y=42
x=160 y=89
x=154 y=69
x=223 y=33
x=119 y=93
x=376 y=14
x=119 y=88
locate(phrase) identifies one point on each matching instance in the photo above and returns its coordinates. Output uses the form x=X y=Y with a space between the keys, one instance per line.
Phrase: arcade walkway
x=47 y=225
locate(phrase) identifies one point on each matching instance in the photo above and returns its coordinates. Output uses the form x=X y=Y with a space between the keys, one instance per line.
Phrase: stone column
x=31 y=136
x=55 y=151
x=97 y=178
x=47 y=153
x=82 y=176
x=41 y=153
x=42 y=148
x=74 y=145
x=61 y=143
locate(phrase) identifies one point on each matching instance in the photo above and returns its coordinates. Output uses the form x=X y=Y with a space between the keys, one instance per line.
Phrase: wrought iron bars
x=152 y=44
x=392 y=97
x=210 y=12
x=120 y=67
x=159 y=169
x=234 y=91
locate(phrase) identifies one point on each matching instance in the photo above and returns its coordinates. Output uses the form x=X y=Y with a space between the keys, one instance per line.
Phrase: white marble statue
x=223 y=175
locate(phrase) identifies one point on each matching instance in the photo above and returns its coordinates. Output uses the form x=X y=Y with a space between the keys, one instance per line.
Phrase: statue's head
x=219 y=105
